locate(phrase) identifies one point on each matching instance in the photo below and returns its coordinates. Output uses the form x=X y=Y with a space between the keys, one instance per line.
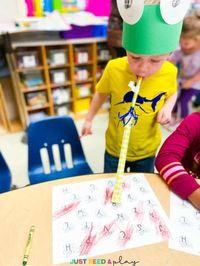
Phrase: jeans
x=141 y=166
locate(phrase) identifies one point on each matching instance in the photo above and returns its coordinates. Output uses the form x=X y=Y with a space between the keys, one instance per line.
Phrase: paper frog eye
x=173 y=11
x=130 y=10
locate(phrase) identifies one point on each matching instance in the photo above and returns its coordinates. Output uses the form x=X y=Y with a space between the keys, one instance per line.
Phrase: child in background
x=178 y=160
x=187 y=58
x=156 y=97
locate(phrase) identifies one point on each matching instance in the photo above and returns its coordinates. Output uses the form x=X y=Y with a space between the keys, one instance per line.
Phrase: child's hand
x=194 y=198
x=87 y=128
x=164 y=116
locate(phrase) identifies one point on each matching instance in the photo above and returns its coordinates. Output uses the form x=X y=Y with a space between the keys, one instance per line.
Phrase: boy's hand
x=164 y=116
x=87 y=128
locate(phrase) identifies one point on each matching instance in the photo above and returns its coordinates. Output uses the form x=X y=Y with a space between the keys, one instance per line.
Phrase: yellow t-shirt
x=145 y=135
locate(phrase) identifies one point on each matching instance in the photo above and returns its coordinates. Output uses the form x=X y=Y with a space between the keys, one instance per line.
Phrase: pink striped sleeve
x=178 y=179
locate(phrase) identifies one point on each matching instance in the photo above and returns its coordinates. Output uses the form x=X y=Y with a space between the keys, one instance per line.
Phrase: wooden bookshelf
x=61 y=69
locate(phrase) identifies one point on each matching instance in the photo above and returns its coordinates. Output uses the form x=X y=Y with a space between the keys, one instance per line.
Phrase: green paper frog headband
x=152 y=27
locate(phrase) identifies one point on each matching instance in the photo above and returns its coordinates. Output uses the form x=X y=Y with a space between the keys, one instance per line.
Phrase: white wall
x=11 y=9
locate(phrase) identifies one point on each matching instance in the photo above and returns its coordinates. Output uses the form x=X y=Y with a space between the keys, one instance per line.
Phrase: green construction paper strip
x=151 y=35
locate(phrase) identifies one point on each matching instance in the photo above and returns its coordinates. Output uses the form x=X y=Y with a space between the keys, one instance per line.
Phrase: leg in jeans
x=186 y=97
x=142 y=166
x=110 y=163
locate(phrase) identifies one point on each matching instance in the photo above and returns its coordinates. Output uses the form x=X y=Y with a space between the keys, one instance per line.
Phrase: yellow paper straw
x=116 y=198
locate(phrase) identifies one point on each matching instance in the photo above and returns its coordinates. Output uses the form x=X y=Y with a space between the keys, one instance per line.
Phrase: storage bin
x=81 y=105
x=77 y=32
x=99 y=30
x=104 y=54
x=81 y=55
x=27 y=59
x=57 y=57
x=83 y=90
x=61 y=95
x=63 y=109
x=99 y=71
x=58 y=76
x=36 y=99
x=85 y=32
x=33 y=117
x=81 y=74
x=33 y=78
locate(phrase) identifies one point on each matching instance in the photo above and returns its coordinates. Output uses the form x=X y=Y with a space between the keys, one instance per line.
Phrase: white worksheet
x=186 y=226
x=86 y=223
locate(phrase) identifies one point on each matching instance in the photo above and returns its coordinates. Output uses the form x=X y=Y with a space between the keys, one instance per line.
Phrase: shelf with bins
x=33 y=84
x=103 y=56
x=58 y=79
x=84 y=78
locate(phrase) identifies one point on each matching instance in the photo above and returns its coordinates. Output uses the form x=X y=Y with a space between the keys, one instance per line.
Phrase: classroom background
x=52 y=54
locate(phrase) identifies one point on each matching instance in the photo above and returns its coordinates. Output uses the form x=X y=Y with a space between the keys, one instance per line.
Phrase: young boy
x=156 y=97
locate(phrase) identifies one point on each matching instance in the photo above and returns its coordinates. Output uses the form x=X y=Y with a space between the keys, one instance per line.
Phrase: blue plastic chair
x=47 y=136
x=5 y=176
